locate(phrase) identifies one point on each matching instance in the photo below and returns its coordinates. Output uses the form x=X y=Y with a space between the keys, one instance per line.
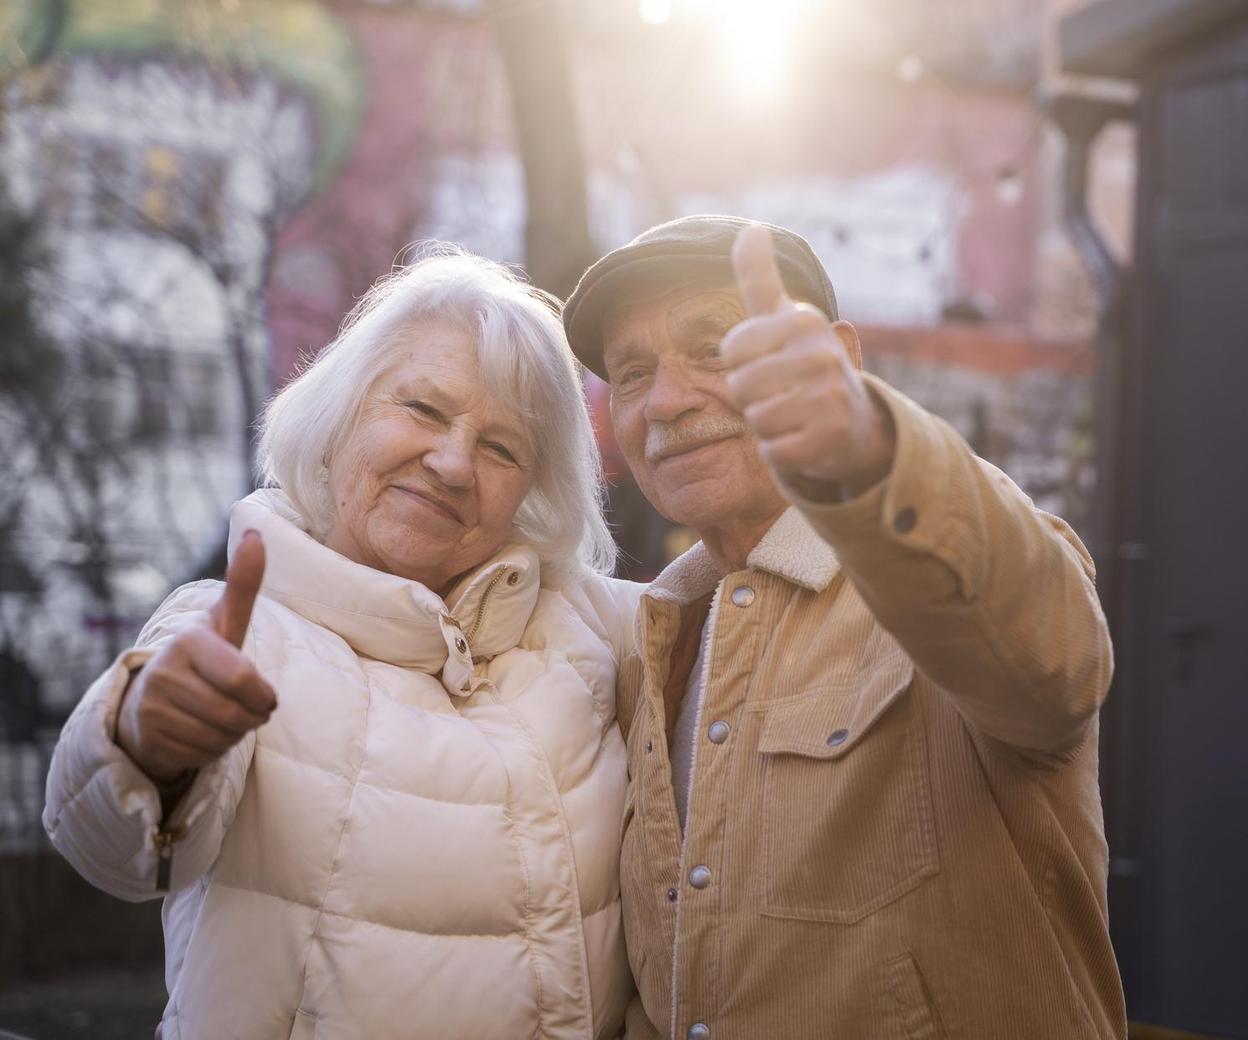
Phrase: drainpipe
x=1081 y=118
x=1120 y=559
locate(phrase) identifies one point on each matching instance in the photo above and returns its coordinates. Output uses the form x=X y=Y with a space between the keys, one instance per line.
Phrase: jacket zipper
x=164 y=860
x=485 y=597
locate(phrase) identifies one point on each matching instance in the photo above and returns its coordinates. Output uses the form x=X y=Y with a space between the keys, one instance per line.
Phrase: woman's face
x=428 y=483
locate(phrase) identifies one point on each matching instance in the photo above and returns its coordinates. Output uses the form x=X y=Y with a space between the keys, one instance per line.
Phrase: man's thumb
x=232 y=613
x=758 y=277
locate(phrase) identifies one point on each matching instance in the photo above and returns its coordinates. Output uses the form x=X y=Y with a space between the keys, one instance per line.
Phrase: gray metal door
x=1188 y=744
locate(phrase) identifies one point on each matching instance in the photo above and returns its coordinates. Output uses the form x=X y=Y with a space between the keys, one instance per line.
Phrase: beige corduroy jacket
x=894 y=825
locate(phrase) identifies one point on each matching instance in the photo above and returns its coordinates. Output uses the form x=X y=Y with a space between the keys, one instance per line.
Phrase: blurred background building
x=194 y=192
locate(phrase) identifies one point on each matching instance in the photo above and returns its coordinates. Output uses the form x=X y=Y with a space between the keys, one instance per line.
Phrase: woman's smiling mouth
x=431 y=502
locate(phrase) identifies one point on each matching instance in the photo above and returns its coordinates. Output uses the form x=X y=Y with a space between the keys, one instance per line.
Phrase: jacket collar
x=791 y=549
x=384 y=616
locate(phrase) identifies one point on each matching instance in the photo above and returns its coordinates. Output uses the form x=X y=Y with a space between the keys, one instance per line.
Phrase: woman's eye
x=501 y=451
x=427 y=410
x=711 y=351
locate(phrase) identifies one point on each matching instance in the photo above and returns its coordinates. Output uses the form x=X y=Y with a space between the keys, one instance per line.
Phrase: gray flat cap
x=685 y=248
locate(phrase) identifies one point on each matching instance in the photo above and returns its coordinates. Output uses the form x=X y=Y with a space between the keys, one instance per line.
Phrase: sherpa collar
x=791 y=549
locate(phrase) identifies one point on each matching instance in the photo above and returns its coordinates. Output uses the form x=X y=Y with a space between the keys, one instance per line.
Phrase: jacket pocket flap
x=826 y=723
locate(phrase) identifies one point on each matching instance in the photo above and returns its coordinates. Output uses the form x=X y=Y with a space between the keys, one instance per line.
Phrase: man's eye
x=711 y=351
x=630 y=375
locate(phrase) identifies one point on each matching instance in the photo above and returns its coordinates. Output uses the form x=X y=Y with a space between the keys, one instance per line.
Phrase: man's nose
x=451 y=459
x=672 y=393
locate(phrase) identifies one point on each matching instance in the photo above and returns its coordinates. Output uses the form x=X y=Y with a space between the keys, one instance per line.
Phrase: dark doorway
x=1177 y=738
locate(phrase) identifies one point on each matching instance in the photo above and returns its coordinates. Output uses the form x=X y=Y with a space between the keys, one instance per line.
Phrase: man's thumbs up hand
x=198 y=696
x=794 y=376
x=758 y=275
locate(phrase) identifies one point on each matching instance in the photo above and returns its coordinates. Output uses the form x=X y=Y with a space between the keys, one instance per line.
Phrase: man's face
x=687 y=446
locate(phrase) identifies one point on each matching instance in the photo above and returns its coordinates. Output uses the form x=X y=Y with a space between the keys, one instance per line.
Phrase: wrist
x=125 y=736
x=881 y=448
x=877 y=447
x=171 y=791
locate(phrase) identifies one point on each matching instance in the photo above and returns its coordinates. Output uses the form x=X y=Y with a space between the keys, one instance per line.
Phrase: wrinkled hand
x=198 y=696
x=817 y=424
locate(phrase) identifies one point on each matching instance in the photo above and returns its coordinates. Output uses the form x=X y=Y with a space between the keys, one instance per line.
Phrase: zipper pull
x=164 y=862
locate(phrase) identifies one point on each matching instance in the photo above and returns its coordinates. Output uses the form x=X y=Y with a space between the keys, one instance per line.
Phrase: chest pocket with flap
x=847 y=810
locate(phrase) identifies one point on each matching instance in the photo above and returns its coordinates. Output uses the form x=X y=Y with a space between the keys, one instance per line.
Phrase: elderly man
x=862 y=716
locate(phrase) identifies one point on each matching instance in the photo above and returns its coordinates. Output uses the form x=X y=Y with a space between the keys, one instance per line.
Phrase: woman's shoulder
x=608 y=605
x=189 y=606
x=184 y=606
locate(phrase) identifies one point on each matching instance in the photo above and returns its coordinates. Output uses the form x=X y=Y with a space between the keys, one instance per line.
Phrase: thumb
x=758 y=277
x=232 y=613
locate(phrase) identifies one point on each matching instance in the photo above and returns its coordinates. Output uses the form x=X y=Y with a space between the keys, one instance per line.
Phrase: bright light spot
x=910 y=69
x=140 y=585
x=756 y=41
x=656 y=12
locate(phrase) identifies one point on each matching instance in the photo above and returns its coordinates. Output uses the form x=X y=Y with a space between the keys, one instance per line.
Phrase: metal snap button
x=461 y=644
x=742 y=596
x=513 y=578
x=838 y=737
x=905 y=520
x=700 y=876
x=671 y=895
x=699 y=1031
x=718 y=731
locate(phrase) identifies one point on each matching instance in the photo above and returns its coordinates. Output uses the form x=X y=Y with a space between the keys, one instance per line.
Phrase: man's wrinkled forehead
x=683 y=311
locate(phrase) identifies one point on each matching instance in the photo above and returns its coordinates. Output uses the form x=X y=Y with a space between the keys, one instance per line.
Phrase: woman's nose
x=451 y=460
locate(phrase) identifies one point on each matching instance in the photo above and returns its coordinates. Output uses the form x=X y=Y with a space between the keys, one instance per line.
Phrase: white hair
x=523 y=358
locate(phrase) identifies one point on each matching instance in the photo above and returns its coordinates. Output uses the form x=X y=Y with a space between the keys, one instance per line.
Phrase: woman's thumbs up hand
x=198 y=696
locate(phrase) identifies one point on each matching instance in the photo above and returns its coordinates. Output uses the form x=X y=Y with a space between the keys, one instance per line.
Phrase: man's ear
x=848 y=336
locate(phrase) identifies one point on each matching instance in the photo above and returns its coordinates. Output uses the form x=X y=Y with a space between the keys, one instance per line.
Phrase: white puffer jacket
x=423 y=841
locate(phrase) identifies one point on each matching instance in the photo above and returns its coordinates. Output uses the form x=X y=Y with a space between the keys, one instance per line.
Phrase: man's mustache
x=664 y=439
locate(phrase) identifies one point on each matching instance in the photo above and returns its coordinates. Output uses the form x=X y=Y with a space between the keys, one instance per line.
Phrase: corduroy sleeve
x=993 y=599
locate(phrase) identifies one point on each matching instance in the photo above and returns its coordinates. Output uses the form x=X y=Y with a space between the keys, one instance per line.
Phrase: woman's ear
x=848 y=336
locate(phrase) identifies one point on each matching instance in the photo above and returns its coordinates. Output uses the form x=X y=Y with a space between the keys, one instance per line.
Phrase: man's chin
x=722 y=491
x=695 y=503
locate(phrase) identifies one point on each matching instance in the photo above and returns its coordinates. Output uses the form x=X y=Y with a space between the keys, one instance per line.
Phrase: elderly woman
x=384 y=799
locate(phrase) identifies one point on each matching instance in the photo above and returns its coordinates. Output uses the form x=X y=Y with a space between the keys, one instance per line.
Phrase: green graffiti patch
x=295 y=42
